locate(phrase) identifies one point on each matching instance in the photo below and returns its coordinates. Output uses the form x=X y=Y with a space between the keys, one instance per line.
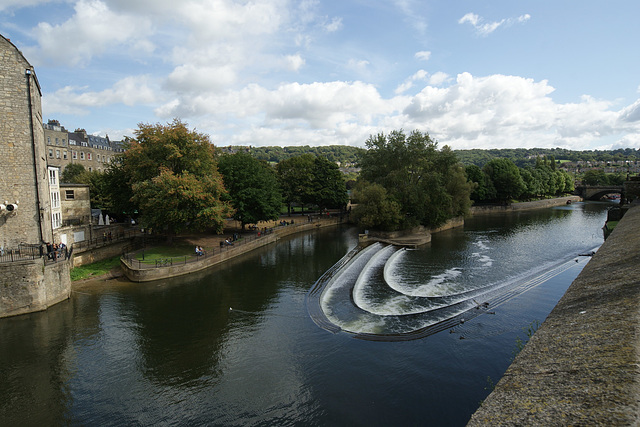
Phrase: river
x=236 y=345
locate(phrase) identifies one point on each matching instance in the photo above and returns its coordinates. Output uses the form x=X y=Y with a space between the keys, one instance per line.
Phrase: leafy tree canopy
x=428 y=184
x=253 y=188
x=174 y=179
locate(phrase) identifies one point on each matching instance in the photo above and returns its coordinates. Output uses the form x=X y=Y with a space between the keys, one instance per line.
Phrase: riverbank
x=582 y=366
x=140 y=272
x=536 y=204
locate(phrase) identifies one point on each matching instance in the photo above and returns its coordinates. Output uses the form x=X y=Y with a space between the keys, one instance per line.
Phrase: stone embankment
x=536 y=204
x=582 y=366
x=138 y=272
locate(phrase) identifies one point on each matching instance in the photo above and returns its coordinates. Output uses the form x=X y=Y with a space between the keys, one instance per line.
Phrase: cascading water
x=384 y=292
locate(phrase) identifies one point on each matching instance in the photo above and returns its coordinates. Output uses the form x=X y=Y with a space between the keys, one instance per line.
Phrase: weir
x=582 y=366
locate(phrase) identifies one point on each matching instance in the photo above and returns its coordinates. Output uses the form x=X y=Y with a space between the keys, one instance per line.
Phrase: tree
x=328 y=186
x=429 y=185
x=594 y=177
x=483 y=188
x=374 y=208
x=506 y=179
x=174 y=179
x=253 y=188
x=75 y=173
x=296 y=179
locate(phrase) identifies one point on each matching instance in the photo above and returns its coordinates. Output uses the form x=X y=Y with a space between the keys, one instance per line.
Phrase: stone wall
x=28 y=286
x=582 y=366
x=21 y=181
x=25 y=286
x=537 y=204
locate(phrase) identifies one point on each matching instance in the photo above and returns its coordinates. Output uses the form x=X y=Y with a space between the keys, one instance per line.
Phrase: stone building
x=91 y=151
x=28 y=282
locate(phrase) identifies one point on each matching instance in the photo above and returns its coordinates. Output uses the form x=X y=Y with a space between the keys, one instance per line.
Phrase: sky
x=471 y=74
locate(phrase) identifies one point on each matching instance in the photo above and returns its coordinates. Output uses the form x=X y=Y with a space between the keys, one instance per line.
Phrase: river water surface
x=236 y=345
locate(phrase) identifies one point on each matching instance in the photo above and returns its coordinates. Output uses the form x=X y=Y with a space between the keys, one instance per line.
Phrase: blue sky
x=492 y=74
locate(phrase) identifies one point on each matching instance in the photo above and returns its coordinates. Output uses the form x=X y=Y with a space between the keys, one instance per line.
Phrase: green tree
x=296 y=179
x=506 y=179
x=483 y=188
x=75 y=173
x=253 y=188
x=375 y=208
x=594 y=177
x=429 y=185
x=328 y=186
x=174 y=179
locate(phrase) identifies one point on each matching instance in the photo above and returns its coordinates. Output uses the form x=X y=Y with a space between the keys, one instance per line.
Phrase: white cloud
x=438 y=78
x=508 y=111
x=360 y=66
x=423 y=55
x=334 y=25
x=91 y=31
x=130 y=91
x=409 y=82
x=631 y=113
x=294 y=62
x=485 y=28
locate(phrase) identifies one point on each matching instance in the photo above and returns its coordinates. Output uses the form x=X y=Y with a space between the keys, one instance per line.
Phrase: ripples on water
x=387 y=291
x=173 y=353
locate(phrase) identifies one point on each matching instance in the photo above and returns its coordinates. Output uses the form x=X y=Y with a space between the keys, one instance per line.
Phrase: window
x=74 y=155
x=49 y=140
x=82 y=155
x=57 y=154
x=53 y=177
x=64 y=142
x=64 y=155
x=84 y=144
x=51 y=153
x=57 y=141
x=55 y=200
x=88 y=156
x=55 y=220
x=69 y=194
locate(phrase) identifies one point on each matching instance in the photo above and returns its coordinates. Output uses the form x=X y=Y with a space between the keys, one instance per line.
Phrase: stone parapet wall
x=582 y=366
x=537 y=204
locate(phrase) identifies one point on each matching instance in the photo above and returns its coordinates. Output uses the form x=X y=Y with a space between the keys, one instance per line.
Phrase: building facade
x=28 y=281
x=91 y=151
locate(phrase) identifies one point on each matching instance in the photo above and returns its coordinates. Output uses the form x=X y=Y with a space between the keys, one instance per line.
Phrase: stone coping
x=582 y=365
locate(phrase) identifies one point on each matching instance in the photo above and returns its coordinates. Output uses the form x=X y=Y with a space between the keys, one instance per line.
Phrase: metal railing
x=131 y=255
x=132 y=259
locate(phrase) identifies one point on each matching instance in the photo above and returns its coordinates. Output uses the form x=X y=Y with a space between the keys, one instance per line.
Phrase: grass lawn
x=96 y=269
x=163 y=252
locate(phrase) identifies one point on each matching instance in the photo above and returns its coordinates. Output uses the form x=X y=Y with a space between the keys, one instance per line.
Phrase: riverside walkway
x=137 y=271
x=582 y=366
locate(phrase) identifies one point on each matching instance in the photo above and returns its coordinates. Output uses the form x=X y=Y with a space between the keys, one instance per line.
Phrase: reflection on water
x=172 y=352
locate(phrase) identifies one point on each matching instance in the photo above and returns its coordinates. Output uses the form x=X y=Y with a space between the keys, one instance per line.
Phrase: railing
x=26 y=252
x=22 y=253
x=141 y=264
x=105 y=239
x=130 y=254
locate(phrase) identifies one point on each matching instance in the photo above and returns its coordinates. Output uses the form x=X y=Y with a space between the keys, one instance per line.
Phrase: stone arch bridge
x=596 y=192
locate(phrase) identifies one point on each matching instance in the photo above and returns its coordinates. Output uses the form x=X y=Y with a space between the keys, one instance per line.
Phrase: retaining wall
x=537 y=204
x=582 y=366
x=149 y=274
x=28 y=286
